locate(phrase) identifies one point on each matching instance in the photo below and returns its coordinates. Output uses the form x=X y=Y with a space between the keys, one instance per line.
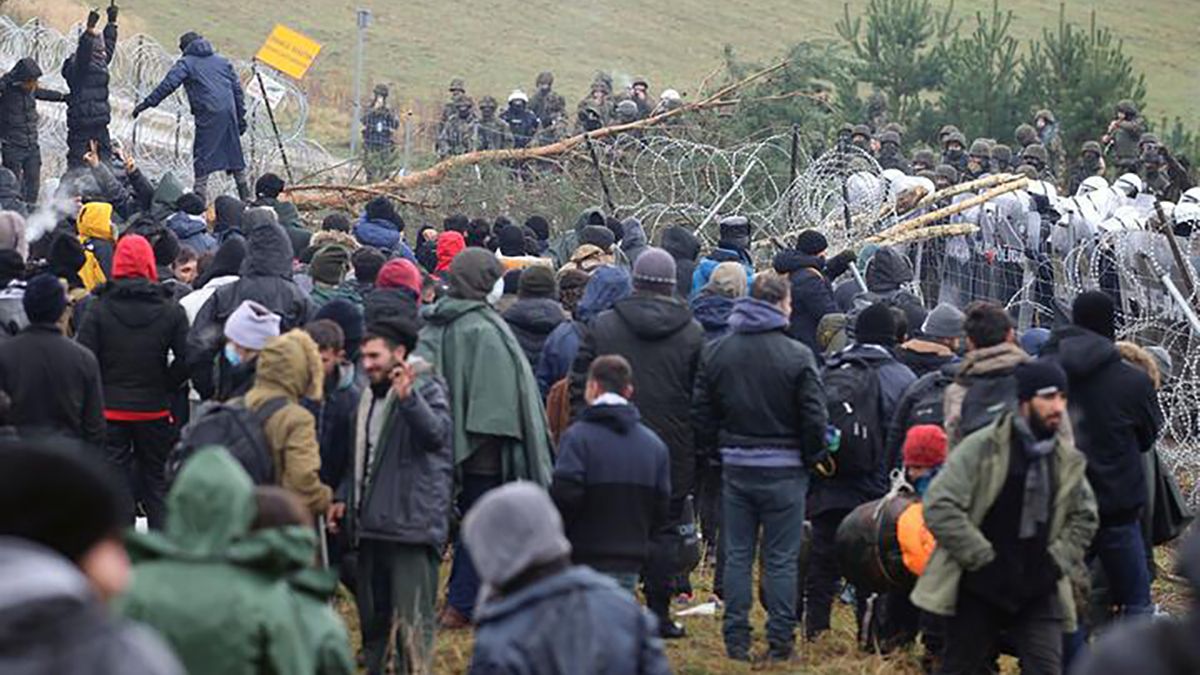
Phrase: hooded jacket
x=228 y=217
x=18 y=108
x=289 y=367
x=98 y=237
x=576 y=621
x=266 y=278
x=924 y=356
x=130 y=326
x=1116 y=417
x=609 y=462
x=383 y=235
x=86 y=73
x=449 y=244
x=192 y=232
x=217 y=103
x=200 y=583
x=759 y=388
x=633 y=240
x=708 y=263
x=493 y=395
x=607 y=285
x=812 y=294
x=712 y=312
x=52 y=622
x=989 y=362
x=684 y=247
x=662 y=342
x=531 y=321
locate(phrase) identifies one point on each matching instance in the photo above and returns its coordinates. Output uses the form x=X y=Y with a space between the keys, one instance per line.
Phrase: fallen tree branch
x=945 y=212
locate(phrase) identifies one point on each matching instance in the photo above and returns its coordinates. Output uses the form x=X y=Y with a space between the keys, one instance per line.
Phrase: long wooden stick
x=946 y=211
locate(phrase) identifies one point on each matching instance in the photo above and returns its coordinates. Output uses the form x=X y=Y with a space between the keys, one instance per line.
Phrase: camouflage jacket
x=492 y=134
x=379 y=124
x=456 y=136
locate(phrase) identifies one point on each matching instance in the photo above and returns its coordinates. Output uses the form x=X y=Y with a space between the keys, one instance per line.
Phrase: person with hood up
x=267 y=189
x=564 y=245
x=758 y=402
x=512 y=249
x=166 y=252
x=812 y=284
x=349 y=317
x=684 y=247
x=227 y=220
x=733 y=246
x=86 y=74
x=62 y=560
x=218 y=105
x=887 y=272
x=426 y=251
x=500 y=430
x=132 y=326
x=633 y=239
x=189 y=225
x=1116 y=416
x=536 y=313
x=53 y=381
x=397 y=292
x=606 y=285
x=222 y=270
x=98 y=238
x=11 y=198
x=936 y=343
x=266 y=278
x=382 y=227
x=205 y=583
x=1011 y=511
x=22 y=154
x=656 y=333
x=712 y=305
x=328 y=271
x=397 y=496
x=449 y=245
x=539 y=614
x=289 y=367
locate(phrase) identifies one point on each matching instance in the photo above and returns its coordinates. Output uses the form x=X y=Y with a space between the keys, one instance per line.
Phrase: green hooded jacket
x=962 y=494
x=219 y=616
x=493 y=392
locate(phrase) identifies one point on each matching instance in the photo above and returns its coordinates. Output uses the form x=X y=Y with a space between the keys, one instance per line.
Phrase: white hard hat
x=1091 y=184
x=1187 y=212
x=670 y=95
x=518 y=95
x=1191 y=196
x=1129 y=184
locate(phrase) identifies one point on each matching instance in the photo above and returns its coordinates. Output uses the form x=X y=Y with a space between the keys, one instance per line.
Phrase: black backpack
x=929 y=406
x=852 y=399
x=987 y=398
x=238 y=429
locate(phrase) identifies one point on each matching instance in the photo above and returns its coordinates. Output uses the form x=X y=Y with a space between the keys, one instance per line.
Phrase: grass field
x=418 y=46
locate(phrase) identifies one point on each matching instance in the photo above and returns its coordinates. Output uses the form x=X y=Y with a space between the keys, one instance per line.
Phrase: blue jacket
x=192 y=232
x=215 y=96
x=575 y=621
x=383 y=235
x=812 y=295
x=708 y=263
x=607 y=285
x=712 y=311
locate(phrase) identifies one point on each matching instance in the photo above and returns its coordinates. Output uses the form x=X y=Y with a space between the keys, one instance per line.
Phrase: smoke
x=44 y=220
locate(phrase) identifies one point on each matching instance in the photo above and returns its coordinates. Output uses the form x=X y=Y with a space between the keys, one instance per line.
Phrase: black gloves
x=93 y=18
x=139 y=109
x=112 y=13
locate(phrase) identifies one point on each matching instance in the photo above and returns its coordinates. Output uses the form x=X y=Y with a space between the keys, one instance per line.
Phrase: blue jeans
x=772 y=499
x=1122 y=554
x=464 y=582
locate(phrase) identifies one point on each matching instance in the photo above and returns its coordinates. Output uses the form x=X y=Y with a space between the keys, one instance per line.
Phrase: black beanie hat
x=382 y=208
x=1095 y=311
x=876 y=325
x=598 y=236
x=166 y=247
x=45 y=299
x=511 y=241
x=58 y=498
x=66 y=256
x=537 y=282
x=367 y=261
x=188 y=38
x=400 y=329
x=811 y=242
x=268 y=186
x=349 y=317
x=540 y=226
x=336 y=222
x=1039 y=377
x=190 y=203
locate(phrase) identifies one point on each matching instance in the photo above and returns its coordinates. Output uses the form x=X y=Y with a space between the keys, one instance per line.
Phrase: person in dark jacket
x=398 y=495
x=684 y=247
x=189 y=225
x=267 y=189
x=759 y=402
x=54 y=383
x=536 y=313
x=22 y=154
x=63 y=561
x=426 y=252
x=131 y=327
x=397 y=292
x=831 y=498
x=367 y=262
x=227 y=220
x=812 y=284
x=1116 y=418
x=656 y=333
x=266 y=278
x=11 y=196
x=540 y=615
x=86 y=73
x=215 y=96
x=382 y=227
x=609 y=462
x=607 y=285
x=633 y=239
x=335 y=411
x=349 y=317
x=713 y=304
x=935 y=344
x=733 y=246
x=886 y=274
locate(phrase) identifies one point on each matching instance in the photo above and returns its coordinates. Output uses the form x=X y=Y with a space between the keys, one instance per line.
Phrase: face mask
x=496 y=293
x=922 y=484
x=232 y=355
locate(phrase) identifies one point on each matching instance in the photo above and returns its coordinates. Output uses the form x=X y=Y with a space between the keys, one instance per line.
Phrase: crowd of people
x=563 y=416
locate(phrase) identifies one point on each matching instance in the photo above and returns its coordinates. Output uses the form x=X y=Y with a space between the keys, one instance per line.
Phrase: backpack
x=986 y=399
x=852 y=400
x=929 y=407
x=235 y=427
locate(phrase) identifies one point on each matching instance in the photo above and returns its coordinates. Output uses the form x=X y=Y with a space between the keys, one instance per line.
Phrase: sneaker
x=671 y=630
x=452 y=619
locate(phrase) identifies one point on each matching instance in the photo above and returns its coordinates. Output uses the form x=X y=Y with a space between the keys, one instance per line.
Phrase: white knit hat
x=252 y=325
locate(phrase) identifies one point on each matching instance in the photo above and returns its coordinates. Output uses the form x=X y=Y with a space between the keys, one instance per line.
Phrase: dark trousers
x=1121 y=552
x=662 y=575
x=26 y=165
x=1035 y=632
x=772 y=499
x=397 y=585
x=139 y=452
x=821 y=584
x=709 y=484
x=79 y=138
x=464 y=580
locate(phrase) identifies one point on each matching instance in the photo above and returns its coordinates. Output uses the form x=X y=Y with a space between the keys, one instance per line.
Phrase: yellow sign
x=289 y=52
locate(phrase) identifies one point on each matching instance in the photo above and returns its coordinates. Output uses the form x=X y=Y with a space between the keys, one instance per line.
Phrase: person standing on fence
x=218 y=106
x=86 y=73
x=19 y=94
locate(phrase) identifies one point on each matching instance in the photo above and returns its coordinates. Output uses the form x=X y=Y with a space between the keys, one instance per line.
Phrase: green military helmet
x=1128 y=107
x=896 y=127
x=1002 y=154
x=1044 y=114
x=924 y=157
x=1026 y=135
x=462 y=101
x=1091 y=146
x=458 y=86
x=1036 y=151
x=1148 y=138
x=980 y=148
x=1028 y=170
x=946 y=172
x=955 y=137
x=890 y=137
x=861 y=130
x=638 y=79
x=381 y=90
x=946 y=130
x=545 y=77
x=627 y=110
x=602 y=81
x=488 y=103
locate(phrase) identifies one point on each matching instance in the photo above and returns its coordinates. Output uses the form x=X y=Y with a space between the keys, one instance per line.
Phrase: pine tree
x=980 y=88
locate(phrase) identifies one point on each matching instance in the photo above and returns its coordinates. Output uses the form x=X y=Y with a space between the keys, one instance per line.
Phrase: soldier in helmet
x=1002 y=158
x=923 y=160
x=1123 y=135
x=639 y=93
x=1035 y=155
x=1025 y=136
x=457 y=134
x=1049 y=136
x=860 y=137
x=545 y=102
x=890 y=155
x=877 y=111
x=1162 y=174
x=597 y=105
x=491 y=132
x=378 y=135
x=979 y=160
x=945 y=175
x=945 y=132
x=521 y=121
x=954 y=151
x=1091 y=163
x=458 y=87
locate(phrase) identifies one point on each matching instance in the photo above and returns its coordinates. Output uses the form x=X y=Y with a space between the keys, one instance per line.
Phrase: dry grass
x=62 y=14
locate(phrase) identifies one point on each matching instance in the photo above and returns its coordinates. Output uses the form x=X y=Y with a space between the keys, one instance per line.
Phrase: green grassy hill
x=417 y=46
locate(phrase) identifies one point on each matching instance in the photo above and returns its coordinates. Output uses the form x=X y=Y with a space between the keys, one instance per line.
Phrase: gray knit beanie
x=654 y=271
